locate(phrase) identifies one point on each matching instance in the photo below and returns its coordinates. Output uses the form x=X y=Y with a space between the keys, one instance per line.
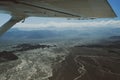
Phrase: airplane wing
x=82 y=9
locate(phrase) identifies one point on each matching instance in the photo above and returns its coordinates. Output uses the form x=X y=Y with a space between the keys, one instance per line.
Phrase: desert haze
x=92 y=54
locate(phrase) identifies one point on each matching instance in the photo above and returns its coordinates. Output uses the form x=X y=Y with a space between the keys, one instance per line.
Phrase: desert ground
x=60 y=60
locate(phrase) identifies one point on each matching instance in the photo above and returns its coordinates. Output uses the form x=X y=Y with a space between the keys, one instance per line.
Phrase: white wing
x=55 y=8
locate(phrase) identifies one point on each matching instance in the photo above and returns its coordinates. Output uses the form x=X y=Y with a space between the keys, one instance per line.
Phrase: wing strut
x=14 y=19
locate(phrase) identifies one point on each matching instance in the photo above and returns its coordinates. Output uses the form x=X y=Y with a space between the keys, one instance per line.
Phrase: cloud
x=54 y=25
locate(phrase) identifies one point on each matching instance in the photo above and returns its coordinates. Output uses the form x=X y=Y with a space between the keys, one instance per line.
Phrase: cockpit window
x=47 y=48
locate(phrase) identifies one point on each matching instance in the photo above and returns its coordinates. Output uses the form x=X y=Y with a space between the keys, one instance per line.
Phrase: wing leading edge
x=86 y=8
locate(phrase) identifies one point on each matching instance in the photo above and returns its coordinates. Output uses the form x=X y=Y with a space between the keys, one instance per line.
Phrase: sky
x=35 y=23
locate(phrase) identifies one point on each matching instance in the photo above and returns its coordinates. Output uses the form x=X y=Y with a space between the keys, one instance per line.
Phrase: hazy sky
x=34 y=23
